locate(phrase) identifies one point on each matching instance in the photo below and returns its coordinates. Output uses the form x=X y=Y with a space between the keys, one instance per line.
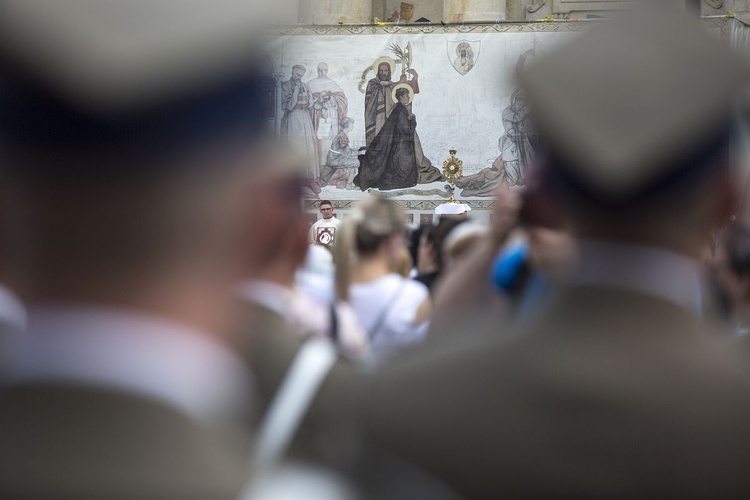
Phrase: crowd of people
x=171 y=327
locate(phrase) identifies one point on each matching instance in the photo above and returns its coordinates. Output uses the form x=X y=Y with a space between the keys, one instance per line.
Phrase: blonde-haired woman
x=394 y=310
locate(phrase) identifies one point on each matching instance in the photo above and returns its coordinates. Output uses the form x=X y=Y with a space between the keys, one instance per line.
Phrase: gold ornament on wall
x=452 y=171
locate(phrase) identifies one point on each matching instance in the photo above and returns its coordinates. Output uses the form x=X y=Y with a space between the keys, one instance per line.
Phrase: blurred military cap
x=135 y=75
x=624 y=106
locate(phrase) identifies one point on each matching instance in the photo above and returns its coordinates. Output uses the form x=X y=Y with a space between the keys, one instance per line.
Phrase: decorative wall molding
x=715 y=4
x=415 y=29
x=488 y=204
x=721 y=24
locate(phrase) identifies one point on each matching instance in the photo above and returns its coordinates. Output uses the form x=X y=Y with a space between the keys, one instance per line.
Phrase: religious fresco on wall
x=463 y=55
x=378 y=113
x=393 y=157
x=517 y=146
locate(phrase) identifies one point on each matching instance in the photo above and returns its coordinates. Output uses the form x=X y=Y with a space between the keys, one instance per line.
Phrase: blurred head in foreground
x=636 y=131
x=130 y=146
x=133 y=161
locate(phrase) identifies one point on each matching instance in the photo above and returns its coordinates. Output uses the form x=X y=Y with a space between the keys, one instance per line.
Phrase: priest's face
x=384 y=72
x=326 y=211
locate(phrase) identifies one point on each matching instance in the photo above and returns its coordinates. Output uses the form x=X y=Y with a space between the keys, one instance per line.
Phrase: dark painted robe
x=390 y=161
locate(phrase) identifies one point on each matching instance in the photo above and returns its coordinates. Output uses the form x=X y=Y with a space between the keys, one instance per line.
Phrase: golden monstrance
x=452 y=171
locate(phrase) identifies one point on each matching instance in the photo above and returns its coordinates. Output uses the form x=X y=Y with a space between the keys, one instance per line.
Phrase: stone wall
x=409 y=11
x=571 y=9
x=412 y=10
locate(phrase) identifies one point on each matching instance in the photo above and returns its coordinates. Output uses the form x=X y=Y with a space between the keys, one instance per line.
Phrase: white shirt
x=654 y=271
x=324 y=231
x=315 y=277
x=122 y=350
x=396 y=300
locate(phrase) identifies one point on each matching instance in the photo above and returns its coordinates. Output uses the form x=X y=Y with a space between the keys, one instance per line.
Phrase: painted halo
x=402 y=86
x=384 y=59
